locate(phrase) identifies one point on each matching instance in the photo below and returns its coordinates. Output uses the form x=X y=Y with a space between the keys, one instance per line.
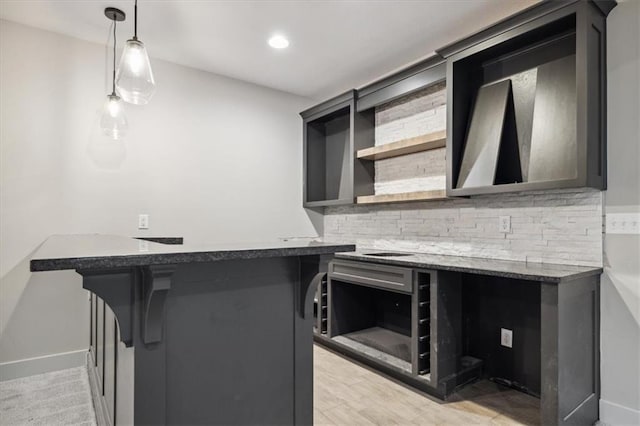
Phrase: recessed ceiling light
x=278 y=42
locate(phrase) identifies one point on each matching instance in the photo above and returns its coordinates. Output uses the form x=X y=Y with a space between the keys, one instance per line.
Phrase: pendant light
x=135 y=79
x=113 y=121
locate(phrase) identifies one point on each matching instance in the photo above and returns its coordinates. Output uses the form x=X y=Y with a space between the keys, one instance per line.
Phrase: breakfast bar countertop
x=91 y=251
x=545 y=272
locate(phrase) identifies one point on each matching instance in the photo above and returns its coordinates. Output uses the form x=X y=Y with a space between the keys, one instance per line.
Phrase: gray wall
x=620 y=403
x=210 y=159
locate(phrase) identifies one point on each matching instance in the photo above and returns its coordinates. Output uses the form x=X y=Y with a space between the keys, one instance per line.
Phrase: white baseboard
x=42 y=364
x=612 y=414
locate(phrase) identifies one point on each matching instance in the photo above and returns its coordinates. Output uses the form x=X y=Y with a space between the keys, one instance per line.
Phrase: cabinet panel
x=100 y=325
x=124 y=385
x=109 y=362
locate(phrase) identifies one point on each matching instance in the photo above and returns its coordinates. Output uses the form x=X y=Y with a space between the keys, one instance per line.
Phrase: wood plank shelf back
x=432 y=195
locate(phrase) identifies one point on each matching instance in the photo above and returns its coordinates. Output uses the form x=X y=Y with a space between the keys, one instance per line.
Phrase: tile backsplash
x=561 y=226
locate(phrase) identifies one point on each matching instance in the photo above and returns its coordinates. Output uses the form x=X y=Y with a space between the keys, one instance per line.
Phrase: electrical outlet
x=623 y=223
x=143 y=221
x=505 y=224
x=506 y=337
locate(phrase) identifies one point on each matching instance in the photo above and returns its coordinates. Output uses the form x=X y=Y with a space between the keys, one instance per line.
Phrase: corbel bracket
x=116 y=288
x=156 y=285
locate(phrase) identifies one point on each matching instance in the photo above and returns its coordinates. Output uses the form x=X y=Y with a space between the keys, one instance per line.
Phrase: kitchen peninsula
x=222 y=334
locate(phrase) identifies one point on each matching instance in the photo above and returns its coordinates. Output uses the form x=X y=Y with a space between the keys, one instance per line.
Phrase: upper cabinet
x=526 y=102
x=525 y=107
x=332 y=132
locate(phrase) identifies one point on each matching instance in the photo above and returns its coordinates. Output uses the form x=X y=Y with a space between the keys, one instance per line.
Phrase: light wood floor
x=346 y=393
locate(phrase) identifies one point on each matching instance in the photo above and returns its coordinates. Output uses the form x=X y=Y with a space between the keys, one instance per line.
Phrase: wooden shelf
x=436 y=194
x=405 y=146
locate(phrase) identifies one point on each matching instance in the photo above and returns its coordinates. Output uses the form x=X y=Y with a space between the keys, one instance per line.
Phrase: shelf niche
x=332 y=132
x=552 y=129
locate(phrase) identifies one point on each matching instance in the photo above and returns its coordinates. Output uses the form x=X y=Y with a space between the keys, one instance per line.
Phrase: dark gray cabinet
x=403 y=321
x=332 y=132
x=549 y=130
x=110 y=367
x=437 y=327
x=423 y=74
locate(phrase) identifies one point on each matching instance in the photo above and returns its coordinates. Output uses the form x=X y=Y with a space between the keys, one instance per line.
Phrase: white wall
x=210 y=158
x=620 y=307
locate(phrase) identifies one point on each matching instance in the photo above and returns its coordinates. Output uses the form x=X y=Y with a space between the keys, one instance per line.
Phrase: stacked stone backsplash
x=421 y=113
x=561 y=226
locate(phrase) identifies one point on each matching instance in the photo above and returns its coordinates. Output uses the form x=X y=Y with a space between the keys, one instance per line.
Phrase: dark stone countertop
x=543 y=272
x=96 y=251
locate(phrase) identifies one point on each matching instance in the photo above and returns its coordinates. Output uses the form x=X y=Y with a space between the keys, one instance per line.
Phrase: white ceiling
x=335 y=45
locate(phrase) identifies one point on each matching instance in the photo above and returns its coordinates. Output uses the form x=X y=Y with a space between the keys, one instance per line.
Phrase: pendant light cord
x=135 y=20
x=113 y=80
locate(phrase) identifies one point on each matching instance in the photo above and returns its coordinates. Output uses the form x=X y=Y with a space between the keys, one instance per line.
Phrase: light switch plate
x=143 y=221
x=506 y=337
x=623 y=223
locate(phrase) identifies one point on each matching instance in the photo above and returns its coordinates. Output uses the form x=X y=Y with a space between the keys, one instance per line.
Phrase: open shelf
x=332 y=132
x=377 y=353
x=405 y=146
x=526 y=107
x=436 y=194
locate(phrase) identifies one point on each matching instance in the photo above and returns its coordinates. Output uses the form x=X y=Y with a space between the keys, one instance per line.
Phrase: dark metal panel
x=554 y=153
x=427 y=73
x=480 y=158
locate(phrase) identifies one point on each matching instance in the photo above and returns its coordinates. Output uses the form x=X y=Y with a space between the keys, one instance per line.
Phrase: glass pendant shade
x=135 y=79
x=113 y=121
